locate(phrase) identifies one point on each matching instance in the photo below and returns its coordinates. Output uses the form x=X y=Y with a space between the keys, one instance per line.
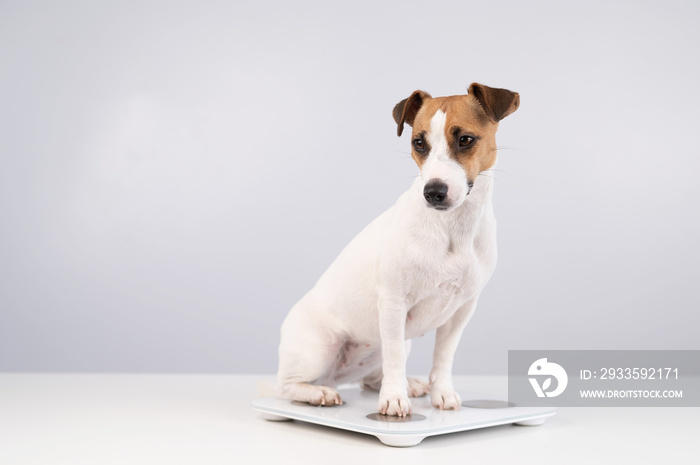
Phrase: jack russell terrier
x=419 y=266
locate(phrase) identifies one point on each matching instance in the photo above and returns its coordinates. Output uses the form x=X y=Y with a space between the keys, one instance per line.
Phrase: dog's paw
x=394 y=402
x=417 y=387
x=445 y=399
x=325 y=396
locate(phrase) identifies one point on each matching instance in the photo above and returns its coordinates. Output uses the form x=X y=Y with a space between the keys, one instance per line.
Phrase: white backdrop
x=175 y=175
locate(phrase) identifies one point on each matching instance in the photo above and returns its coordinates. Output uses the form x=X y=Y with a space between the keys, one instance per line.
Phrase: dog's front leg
x=442 y=393
x=393 y=395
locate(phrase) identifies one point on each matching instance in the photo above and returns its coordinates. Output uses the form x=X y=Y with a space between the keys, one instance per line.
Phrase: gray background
x=175 y=175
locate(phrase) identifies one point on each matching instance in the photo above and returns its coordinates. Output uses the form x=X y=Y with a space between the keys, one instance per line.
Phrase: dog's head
x=454 y=138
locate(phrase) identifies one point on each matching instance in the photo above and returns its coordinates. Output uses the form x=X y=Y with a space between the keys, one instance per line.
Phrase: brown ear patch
x=406 y=110
x=497 y=103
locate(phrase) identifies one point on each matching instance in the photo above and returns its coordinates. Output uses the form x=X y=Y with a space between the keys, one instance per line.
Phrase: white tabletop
x=207 y=419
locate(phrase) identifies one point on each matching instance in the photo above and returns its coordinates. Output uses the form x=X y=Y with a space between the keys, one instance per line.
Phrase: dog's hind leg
x=417 y=387
x=373 y=381
x=307 y=355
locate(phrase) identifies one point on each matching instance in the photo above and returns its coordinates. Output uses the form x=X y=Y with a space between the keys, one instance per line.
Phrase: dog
x=419 y=266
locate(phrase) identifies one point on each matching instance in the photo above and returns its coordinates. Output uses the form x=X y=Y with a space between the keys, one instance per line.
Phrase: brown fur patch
x=475 y=115
x=405 y=111
x=464 y=116
x=497 y=103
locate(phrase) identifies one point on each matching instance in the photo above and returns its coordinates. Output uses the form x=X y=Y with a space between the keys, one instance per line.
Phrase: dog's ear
x=497 y=103
x=405 y=111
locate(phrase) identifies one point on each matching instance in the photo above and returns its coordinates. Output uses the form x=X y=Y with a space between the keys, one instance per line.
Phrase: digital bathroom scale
x=359 y=414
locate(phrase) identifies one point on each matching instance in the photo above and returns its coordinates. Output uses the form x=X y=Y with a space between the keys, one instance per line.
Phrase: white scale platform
x=359 y=414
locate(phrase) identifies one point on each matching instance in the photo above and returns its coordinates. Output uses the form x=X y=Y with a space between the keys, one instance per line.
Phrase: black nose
x=435 y=192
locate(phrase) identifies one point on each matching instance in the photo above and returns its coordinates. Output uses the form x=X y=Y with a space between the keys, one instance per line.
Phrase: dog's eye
x=465 y=141
x=419 y=144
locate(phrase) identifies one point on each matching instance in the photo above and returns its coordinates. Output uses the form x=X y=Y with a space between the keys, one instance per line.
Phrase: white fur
x=412 y=270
